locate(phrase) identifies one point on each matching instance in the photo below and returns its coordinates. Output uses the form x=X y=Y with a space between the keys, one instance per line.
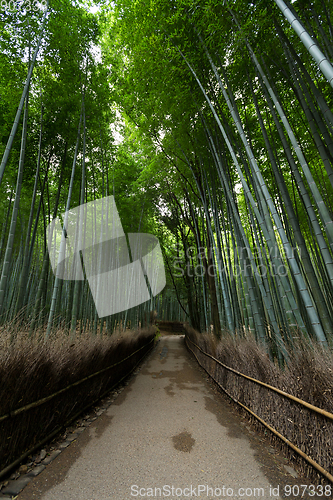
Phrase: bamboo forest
x=210 y=123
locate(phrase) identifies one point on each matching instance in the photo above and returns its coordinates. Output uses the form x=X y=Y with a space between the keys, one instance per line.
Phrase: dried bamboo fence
x=304 y=427
x=25 y=428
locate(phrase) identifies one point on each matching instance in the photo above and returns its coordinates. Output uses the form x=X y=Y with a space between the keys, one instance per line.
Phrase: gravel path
x=169 y=434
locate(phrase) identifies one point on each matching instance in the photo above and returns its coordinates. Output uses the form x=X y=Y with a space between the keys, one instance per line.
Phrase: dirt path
x=169 y=434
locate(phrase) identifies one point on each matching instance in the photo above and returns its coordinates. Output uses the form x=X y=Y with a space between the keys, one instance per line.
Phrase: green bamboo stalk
x=23 y=98
x=63 y=239
x=323 y=63
x=11 y=236
x=27 y=249
x=77 y=285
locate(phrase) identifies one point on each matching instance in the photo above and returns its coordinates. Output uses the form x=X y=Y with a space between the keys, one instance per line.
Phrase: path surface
x=167 y=428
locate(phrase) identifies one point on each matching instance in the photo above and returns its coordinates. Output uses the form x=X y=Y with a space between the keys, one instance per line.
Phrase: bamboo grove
x=226 y=156
x=237 y=97
x=57 y=151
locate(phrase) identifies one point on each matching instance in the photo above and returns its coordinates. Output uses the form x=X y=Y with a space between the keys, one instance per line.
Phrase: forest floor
x=168 y=434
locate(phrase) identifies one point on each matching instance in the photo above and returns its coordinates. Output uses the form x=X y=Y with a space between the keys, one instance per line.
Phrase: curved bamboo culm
x=304 y=292
x=311 y=311
x=314 y=464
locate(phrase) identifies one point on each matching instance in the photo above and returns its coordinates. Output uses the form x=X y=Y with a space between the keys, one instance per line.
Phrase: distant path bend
x=167 y=429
